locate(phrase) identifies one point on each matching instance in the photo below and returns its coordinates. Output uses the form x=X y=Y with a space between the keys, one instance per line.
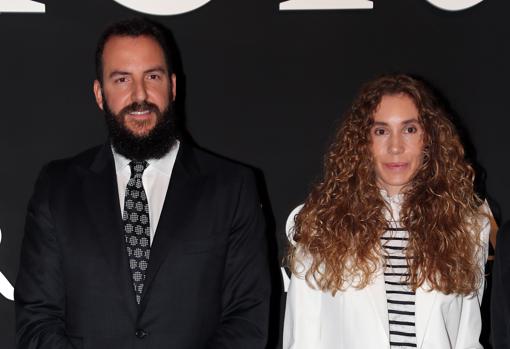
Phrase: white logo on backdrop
x=163 y=7
x=449 y=5
x=176 y=7
x=6 y=288
x=21 y=6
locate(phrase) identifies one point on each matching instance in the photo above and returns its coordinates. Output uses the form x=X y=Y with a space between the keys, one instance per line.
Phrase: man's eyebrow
x=158 y=69
x=405 y=122
x=117 y=73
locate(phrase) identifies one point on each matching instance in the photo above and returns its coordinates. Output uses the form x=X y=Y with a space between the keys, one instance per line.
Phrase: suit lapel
x=182 y=196
x=102 y=201
x=424 y=305
x=377 y=293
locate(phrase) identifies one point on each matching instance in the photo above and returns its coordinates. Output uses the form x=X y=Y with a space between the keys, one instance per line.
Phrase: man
x=145 y=242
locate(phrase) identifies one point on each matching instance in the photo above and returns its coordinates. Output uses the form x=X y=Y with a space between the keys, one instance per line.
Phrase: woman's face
x=397 y=142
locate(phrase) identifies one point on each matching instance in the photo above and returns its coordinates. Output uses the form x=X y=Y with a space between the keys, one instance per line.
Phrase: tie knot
x=137 y=167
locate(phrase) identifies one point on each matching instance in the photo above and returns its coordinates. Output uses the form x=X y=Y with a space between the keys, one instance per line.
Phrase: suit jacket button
x=141 y=334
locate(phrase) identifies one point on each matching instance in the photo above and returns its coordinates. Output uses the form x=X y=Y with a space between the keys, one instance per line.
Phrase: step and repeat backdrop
x=263 y=82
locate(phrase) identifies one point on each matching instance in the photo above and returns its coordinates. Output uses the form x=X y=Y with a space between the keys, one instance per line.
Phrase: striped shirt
x=400 y=298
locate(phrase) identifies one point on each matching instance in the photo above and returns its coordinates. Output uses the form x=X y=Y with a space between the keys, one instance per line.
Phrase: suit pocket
x=202 y=245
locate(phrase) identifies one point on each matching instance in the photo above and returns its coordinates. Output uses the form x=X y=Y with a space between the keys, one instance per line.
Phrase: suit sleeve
x=246 y=285
x=470 y=325
x=40 y=291
x=500 y=298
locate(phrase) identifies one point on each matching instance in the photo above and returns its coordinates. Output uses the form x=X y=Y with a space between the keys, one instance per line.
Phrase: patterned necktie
x=136 y=226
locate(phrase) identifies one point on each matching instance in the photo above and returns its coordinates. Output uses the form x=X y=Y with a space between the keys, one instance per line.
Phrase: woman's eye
x=379 y=131
x=411 y=129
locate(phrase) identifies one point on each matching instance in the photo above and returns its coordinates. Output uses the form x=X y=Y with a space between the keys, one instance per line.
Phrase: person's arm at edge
x=500 y=296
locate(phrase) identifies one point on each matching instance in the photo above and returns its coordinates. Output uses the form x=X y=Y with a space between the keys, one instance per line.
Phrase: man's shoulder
x=210 y=163
x=59 y=176
x=83 y=159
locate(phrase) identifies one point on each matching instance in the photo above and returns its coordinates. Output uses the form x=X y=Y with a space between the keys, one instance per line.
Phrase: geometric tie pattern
x=136 y=226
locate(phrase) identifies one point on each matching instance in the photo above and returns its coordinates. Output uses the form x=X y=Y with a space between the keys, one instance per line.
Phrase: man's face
x=136 y=88
x=397 y=142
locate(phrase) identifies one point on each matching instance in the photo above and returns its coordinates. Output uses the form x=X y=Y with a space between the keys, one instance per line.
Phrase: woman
x=390 y=244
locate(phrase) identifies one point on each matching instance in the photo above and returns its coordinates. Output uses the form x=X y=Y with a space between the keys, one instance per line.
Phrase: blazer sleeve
x=246 y=285
x=500 y=298
x=470 y=325
x=40 y=291
x=302 y=315
x=301 y=328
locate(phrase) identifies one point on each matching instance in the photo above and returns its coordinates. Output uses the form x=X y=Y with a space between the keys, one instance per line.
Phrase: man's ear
x=98 y=94
x=173 y=81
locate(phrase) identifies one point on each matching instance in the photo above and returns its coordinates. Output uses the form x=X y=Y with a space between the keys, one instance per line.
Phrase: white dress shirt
x=155 y=179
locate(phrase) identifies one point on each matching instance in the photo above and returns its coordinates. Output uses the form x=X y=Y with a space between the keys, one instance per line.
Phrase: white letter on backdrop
x=454 y=5
x=163 y=7
x=326 y=5
x=21 y=6
x=6 y=288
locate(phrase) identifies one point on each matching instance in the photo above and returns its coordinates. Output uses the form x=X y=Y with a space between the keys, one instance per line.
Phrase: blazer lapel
x=377 y=293
x=102 y=201
x=424 y=304
x=182 y=196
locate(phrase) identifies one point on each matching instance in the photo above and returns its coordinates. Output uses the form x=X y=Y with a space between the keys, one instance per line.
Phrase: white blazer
x=358 y=319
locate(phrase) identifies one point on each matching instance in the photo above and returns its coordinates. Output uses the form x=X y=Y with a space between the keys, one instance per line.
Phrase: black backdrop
x=262 y=86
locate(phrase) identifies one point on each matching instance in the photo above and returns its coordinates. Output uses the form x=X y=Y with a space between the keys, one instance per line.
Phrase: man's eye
x=154 y=77
x=121 y=80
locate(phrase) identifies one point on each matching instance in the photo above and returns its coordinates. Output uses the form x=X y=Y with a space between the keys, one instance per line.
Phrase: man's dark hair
x=133 y=28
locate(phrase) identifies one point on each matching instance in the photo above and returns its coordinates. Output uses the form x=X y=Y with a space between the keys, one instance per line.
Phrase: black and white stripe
x=400 y=298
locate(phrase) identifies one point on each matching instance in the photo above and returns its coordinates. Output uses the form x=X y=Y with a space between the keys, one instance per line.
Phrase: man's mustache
x=137 y=107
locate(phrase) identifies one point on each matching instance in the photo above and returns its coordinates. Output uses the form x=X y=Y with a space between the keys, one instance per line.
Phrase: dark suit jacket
x=207 y=284
x=500 y=298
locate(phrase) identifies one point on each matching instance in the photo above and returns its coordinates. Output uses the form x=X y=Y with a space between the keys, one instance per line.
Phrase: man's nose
x=139 y=93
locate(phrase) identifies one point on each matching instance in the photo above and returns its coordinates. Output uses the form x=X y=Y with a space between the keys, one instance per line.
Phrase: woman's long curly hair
x=340 y=225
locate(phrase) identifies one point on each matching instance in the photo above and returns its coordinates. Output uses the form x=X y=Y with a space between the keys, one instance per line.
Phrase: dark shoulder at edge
x=504 y=238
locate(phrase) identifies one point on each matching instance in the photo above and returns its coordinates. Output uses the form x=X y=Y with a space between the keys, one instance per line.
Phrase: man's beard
x=154 y=144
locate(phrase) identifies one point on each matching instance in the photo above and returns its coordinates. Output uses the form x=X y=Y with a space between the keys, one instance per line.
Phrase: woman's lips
x=396 y=166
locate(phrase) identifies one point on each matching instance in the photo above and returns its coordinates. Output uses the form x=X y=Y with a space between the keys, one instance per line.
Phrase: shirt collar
x=393 y=199
x=164 y=164
x=394 y=204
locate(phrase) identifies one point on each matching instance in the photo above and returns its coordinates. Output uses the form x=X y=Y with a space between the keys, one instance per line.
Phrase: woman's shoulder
x=302 y=259
x=289 y=225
